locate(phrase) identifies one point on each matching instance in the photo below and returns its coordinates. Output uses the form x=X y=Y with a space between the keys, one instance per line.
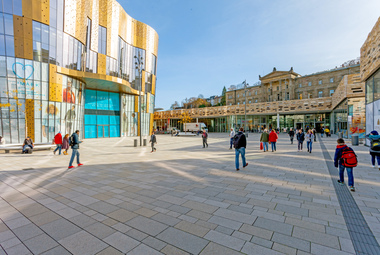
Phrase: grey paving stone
x=19 y=249
x=103 y=207
x=10 y=243
x=100 y=230
x=110 y=251
x=274 y=226
x=292 y=209
x=27 y=232
x=154 y=243
x=6 y=235
x=200 y=206
x=225 y=222
x=216 y=249
x=261 y=241
x=18 y=222
x=171 y=250
x=284 y=249
x=316 y=237
x=82 y=220
x=60 y=229
x=122 y=215
x=146 y=225
x=192 y=228
x=179 y=209
x=240 y=209
x=83 y=243
x=40 y=244
x=226 y=240
x=189 y=243
x=320 y=249
x=297 y=243
x=236 y=216
x=59 y=250
x=254 y=249
x=199 y=215
x=143 y=249
x=224 y=230
x=121 y=242
x=135 y=234
x=166 y=219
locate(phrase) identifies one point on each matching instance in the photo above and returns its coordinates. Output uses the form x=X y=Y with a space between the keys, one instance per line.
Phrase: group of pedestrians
x=66 y=142
x=62 y=143
x=267 y=139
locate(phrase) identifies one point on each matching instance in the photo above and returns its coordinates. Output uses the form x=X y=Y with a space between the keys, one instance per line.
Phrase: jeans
x=309 y=145
x=204 y=142
x=237 y=152
x=153 y=149
x=273 y=144
x=75 y=153
x=59 y=147
x=300 y=145
x=291 y=139
x=26 y=146
x=373 y=159
x=349 y=173
x=231 y=142
x=265 y=144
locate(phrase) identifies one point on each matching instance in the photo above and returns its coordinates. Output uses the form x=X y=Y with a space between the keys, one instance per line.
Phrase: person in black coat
x=153 y=140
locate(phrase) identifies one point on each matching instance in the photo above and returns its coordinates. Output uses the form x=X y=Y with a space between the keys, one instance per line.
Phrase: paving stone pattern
x=183 y=199
x=361 y=235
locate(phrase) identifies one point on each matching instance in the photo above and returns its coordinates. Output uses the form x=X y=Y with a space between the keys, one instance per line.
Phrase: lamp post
x=245 y=105
x=139 y=66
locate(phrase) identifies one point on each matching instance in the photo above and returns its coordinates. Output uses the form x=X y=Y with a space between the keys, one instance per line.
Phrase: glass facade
x=46 y=65
x=372 y=118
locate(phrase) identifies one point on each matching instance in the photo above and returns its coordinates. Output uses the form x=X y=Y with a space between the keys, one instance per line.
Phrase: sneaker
x=298 y=151
x=352 y=188
x=54 y=152
x=80 y=164
x=245 y=165
x=237 y=169
x=374 y=166
x=71 y=167
x=309 y=151
x=340 y=182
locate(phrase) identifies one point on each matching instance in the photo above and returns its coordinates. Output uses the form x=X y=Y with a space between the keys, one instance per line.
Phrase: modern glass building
x=70 y=64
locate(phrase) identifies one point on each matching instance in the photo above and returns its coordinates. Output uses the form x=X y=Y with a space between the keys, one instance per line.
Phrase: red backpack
x=349 y=157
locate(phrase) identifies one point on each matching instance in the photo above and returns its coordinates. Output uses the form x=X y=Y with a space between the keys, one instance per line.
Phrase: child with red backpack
x=345 y=158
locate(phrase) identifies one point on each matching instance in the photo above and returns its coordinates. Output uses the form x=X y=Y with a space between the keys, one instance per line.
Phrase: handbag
x=261 y=146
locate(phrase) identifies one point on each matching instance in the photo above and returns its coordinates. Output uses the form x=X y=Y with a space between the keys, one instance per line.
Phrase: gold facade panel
x=36 y=10
x=151 y=123
x=28 y=48
x=102 y=64
x=45 y=13
x=29 y=118
x=55 y=84
x=136 y=103
x=103 y=13
x=143 y=82
x=19 y=47
x=18 y=28
x=28 y=28
x=147 y=101
x=27 y=9
x=153 y=84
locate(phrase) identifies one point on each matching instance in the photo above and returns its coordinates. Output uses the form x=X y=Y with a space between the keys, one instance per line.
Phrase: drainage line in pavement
x=361 y=235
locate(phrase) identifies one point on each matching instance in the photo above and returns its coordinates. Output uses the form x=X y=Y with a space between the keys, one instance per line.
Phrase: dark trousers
x=153 y=149
x=204 y=142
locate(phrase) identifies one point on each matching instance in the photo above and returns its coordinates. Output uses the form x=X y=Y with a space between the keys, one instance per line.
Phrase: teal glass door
x=100 y=132
x=106 y=131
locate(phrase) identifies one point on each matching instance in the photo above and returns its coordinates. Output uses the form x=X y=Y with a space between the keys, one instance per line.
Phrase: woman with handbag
x=265 y=139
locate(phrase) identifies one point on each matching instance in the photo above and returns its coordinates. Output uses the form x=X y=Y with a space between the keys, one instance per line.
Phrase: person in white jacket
x=309 y=140
x=232 y=134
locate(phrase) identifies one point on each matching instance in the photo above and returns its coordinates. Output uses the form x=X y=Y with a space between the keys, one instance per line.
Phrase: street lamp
x=245 y=105
x=139 y=66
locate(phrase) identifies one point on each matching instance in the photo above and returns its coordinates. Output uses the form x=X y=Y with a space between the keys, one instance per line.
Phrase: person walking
x=273 y=136
x=240 y=143
x=300 y=139
x=28 y=143
x=264 y=138
x=232 y=134
x=322 y=132
x=327 y=131
x=314 y=133
x=374 y=149
x=309 y=140
x=65 y=144
x=2 y=140
x=291 y=135
x=345 y=158
x=204 y=138
x=58 y=142
x=74 y=143
x=153 y=140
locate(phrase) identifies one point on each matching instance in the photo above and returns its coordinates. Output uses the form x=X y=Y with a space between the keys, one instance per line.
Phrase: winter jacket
x=76 y=141
x=291 y=133
x=58 y=138
x=301 y=137
x=153 y=139
x=338 y=155
x=273 y=137
x=65 y=143
x=264 y=137
x=242 y=140
x=309 y=137
x=373 y=138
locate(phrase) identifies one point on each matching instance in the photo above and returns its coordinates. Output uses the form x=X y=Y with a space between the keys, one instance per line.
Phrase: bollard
x=144 y=142
x=135 y=143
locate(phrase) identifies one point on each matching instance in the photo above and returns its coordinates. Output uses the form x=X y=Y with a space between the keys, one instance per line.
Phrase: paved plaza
x=184 y=199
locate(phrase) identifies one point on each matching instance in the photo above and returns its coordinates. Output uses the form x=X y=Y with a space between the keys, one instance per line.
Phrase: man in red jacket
x=273 y=139
x=58 y=142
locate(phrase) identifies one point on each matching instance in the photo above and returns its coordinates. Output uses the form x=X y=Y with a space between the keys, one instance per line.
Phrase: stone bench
x=18 y=146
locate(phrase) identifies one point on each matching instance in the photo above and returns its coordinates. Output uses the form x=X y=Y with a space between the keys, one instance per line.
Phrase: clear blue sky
x=207 y=44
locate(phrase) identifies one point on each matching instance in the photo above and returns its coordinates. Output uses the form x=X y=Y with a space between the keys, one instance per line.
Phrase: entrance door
x=103 y=131
x=299 y=125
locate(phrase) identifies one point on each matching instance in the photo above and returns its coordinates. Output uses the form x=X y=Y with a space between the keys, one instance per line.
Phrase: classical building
x=70 y=65
x=370 y=74
x=285 y=99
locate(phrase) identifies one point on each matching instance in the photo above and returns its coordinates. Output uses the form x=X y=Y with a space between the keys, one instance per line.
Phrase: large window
x=320 y=94
x=102 y=43
x=331 y=92
x=369 y=91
